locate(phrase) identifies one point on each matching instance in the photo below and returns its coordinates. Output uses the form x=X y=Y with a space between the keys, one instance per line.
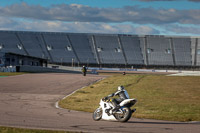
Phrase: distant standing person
x=84 y=70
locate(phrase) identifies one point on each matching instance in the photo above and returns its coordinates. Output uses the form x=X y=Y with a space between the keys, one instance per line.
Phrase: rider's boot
x=133 y=110
x=115 y=105
x=116 y=108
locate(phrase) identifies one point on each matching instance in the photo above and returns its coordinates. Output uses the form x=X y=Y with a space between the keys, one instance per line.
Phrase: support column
x=95 y=49
x=122 y=48
x=51 y=59
x=173 y=52
x=195 y=53
x=145 y=51
x=22 y=44
x=43 y=52
x=73 y=48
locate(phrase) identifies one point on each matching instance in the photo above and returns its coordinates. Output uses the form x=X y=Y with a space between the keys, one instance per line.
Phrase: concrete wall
x=37 y=69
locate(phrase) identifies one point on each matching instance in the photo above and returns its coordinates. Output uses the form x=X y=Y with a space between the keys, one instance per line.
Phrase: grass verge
x=11 y=73
x=159 y=97
x=22 y=130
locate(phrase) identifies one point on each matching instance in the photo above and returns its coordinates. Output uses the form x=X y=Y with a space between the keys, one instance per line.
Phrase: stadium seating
x=159 y=51
x=33 y=45
x=198 y=53
x=10 y=43
x=82 y=47
x=58 y=46
x=182 y=51
x=109 y=49
x=132 y=50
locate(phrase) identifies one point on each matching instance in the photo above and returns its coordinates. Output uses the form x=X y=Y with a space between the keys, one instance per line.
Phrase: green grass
x=3 y=76
x=159 y=97
x=21 y=130
x=10 y=73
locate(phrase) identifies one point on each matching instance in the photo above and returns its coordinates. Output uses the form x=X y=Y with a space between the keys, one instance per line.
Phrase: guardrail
x=8 y=69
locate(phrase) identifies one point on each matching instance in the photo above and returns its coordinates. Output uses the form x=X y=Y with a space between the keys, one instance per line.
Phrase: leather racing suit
x=122 y=96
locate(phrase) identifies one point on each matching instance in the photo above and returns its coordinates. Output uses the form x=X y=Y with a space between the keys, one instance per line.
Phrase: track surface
x=29 y=101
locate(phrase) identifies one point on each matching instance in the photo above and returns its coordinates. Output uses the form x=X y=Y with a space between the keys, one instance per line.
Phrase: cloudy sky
x=152 y=17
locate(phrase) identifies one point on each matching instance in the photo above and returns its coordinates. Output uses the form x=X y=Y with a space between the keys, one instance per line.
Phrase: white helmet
x=120 y=88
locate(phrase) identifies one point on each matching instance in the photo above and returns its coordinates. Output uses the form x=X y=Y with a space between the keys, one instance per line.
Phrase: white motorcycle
x=105 y=110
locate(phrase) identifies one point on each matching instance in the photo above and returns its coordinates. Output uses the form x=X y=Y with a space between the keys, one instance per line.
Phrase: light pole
x=72 y=62
x=87 y=62
x=61 y=59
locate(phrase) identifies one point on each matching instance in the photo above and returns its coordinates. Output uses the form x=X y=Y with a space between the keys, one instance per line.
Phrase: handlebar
x=105 y=98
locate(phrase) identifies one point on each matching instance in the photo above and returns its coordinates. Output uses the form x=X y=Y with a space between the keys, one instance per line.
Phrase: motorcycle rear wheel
x=97 y=115
x=125 y=116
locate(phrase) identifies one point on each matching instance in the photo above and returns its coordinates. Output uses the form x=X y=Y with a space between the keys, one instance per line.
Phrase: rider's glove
x=111 y=95
x=105 y=98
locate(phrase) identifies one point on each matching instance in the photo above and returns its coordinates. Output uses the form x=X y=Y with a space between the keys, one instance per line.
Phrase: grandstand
x=104 y=50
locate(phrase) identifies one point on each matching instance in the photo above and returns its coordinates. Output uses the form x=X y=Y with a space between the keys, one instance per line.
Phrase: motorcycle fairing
x=129 y=102
x=105 y=116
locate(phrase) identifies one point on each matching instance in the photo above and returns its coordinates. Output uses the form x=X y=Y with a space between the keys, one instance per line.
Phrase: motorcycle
x=105 y=110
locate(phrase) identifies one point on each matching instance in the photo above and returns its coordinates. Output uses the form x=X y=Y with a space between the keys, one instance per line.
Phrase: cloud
x=178 y=29
x=84 y=19
x=94 y=27
x=82 y=13
x=76 y=27
x=7 y=23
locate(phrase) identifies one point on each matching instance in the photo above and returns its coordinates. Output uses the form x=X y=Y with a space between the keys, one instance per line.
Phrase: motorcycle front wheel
x=97 y=115
x=125 y=116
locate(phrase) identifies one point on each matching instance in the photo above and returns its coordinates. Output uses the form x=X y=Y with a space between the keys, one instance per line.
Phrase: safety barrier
x=8 y=69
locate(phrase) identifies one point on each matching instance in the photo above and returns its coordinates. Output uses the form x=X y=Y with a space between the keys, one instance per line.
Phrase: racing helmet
x=120 y=88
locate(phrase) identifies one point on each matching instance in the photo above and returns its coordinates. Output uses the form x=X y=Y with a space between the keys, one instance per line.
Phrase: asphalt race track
x=28 y=101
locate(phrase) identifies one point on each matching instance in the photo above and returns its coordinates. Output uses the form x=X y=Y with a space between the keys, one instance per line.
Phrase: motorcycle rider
x=122 y=93
x=84 y=70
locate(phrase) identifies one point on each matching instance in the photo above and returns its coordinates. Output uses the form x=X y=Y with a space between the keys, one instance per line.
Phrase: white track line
x=57 y=105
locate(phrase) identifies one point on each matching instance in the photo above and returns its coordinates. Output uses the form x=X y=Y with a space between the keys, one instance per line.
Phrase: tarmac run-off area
x=28 y=101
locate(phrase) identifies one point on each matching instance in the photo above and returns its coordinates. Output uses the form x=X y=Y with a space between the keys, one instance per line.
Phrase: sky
x=143 y=17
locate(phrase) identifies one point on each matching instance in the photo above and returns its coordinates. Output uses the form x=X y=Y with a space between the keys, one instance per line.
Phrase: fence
x=8 y=69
